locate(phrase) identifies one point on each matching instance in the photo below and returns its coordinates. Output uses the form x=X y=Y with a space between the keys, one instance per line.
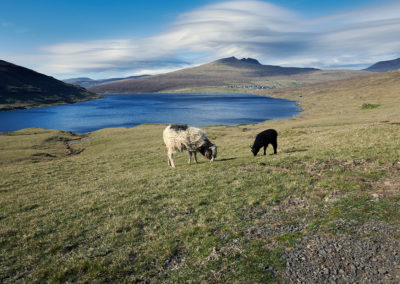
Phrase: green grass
x=369 y=106
x=289 y=239
x=105 y=207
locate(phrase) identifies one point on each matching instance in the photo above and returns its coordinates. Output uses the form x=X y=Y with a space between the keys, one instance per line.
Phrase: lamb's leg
x=190 y=157
x=275 y=145
x=265 y=148
x=170 y=161
x=195 y=157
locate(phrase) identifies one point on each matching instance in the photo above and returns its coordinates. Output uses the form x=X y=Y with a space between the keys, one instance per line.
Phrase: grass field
x=105 y=207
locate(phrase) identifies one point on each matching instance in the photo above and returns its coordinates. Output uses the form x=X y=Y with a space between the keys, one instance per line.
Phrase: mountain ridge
x=21 y=88
x=384 y=66
x=218 y=73
x=88 y=82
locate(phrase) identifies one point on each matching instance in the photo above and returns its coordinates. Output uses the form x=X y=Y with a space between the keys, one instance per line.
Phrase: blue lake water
x=135 y=109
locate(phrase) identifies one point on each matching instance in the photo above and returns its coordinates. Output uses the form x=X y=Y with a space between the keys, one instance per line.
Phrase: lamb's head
x=254 y=150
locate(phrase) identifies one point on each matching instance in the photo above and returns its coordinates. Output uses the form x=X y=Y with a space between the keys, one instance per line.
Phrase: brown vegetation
x=220 y=73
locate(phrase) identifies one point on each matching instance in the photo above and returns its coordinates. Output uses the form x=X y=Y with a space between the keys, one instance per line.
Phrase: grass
x=369 y=106
x=105 y=207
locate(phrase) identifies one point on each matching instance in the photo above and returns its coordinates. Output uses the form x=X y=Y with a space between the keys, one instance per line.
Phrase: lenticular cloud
x=270 y=33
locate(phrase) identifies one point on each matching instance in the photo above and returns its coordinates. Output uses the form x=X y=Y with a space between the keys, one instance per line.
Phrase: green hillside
x=24 y=88
x=105 y=207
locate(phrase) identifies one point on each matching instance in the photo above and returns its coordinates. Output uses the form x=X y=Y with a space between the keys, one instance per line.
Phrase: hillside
x=225 y=75
x=215 y=74
x=88 y=82
x=24 y=88
x=384 y=66
x=107 y=208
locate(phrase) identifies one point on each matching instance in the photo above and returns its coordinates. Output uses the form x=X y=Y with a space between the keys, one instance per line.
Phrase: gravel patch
x=371 y=255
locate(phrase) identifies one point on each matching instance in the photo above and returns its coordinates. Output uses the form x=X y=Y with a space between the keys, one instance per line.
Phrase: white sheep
x=181 y=137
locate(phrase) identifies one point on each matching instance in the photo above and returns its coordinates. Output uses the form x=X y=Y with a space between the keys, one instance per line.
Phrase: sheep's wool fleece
x=190 y=139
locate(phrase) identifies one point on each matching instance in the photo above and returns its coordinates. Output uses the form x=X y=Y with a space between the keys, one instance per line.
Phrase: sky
x=119 y=38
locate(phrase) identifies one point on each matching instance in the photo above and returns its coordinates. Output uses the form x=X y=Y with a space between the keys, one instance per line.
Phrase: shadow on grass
x=226 y=159
x=293 y=150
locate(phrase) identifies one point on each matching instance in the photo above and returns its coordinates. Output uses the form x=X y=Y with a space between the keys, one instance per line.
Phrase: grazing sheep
x=181 y=137
x=264 y=138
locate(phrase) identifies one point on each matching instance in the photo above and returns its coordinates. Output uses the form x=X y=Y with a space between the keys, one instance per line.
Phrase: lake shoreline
x=130 y=110
x=12 y=107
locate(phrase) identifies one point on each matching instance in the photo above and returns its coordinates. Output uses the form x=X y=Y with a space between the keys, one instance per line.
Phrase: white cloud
x=272 y=34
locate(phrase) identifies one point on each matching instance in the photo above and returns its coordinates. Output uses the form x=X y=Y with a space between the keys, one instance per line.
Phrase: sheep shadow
x=293 y=150
x=225 y=159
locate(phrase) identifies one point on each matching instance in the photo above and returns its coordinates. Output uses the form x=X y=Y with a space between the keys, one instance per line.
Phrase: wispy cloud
x=6 y=24
x=270 y=33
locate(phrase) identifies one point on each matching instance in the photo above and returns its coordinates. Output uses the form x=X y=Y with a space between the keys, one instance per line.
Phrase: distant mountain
x=234 y=61
x=384 y=66
x=215 y=74
x=87 y=82
x=24 y=88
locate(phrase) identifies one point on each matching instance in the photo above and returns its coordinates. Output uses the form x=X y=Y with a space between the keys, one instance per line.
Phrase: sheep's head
x=208 y=154
x=213 y=154
x=209 y=151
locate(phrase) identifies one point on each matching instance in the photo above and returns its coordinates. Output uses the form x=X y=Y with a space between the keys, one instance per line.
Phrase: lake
x=135 y=109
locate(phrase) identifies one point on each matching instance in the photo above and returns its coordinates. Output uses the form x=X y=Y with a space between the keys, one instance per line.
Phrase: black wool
x=263 y=139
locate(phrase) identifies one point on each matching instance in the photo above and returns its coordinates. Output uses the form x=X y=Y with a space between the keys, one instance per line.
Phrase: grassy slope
x=116 y=212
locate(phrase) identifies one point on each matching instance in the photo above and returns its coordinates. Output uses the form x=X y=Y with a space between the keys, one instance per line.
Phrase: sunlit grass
x=106 y=207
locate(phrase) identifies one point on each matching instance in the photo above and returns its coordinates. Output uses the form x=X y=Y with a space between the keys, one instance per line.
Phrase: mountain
x=384 y=66
x=87 y=82
x=252 y=68
x=81 y=81
x=24 y=88
x=219 y=73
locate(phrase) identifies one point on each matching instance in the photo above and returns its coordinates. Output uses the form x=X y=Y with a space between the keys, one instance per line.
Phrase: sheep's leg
x=170 y=161
x=190 y=157
x=275 y=145
x=265 y=149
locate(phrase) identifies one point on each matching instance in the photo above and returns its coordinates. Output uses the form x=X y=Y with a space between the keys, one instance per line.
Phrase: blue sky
x=108 y=38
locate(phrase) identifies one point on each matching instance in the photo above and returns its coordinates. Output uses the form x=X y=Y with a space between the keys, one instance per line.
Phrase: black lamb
x=264 y=138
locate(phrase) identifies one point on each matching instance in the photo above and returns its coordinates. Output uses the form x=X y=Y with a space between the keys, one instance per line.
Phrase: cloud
x=6 y=24
x=270 y=33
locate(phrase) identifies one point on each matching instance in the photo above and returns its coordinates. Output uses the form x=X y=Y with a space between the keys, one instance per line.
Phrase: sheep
x=181 y=137
x=264 y=138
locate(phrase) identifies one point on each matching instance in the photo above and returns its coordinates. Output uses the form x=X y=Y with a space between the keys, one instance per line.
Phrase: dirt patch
x=245 y=129
x=393 y=194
